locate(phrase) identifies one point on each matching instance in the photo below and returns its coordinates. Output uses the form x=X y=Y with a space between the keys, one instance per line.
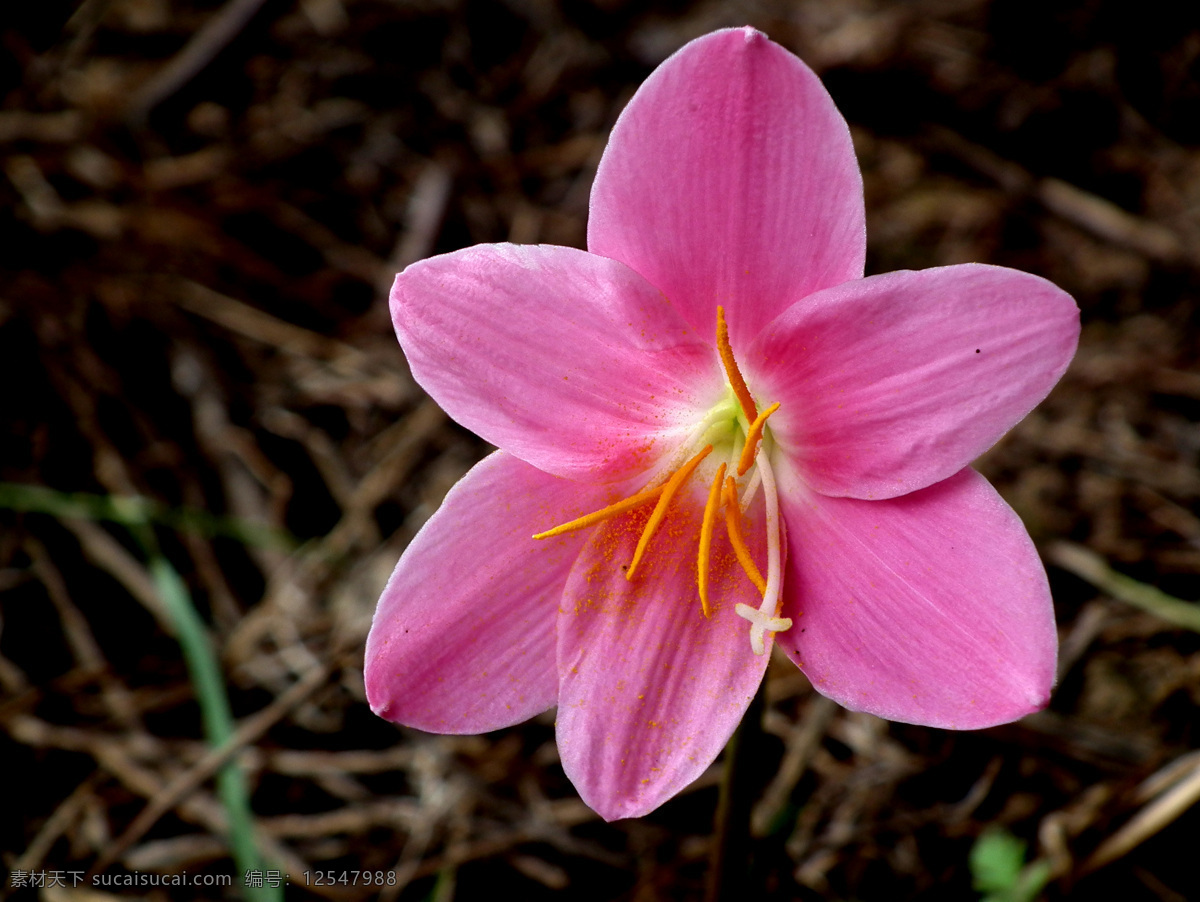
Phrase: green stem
x=729 y=871
x=217 y=718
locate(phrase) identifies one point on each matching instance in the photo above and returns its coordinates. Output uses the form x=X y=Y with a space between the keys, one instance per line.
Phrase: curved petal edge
x=649 y=690
x=895 y=382
x=569 y=361
x=730 y=178
x=463 y=637
x=930 y=609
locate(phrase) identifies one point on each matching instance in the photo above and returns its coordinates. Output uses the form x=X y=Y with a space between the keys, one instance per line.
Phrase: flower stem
x=729 y=870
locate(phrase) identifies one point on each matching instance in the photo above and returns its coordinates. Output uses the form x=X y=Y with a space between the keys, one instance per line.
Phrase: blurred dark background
x=201 y=207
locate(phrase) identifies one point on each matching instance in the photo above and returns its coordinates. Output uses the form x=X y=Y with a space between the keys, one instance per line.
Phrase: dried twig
x=1088 y=565
x=246 y=733
x=210 y=40
x=1182 y=794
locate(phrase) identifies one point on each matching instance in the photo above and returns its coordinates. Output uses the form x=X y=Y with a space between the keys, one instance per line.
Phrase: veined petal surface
x=650 y=691
x=463 y=637
x=571 y=362
x=730 y=178
x=932 y=608
x=892 y=383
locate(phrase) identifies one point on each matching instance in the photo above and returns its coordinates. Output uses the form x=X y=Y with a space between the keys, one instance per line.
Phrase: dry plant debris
x=202 y=204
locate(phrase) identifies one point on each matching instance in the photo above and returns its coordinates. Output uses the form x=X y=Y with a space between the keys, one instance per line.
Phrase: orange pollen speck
x=605 y=513
x=663 y=493
x=723 y=425
x=736 y=382
x=660 y=510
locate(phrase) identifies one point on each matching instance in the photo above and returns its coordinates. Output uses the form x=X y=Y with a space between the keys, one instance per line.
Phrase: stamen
x=717 y=424
x=660 y=509
x=733 y=523
x=706 y=533
x=605 y=513
x=752 y=438
x=736 y=382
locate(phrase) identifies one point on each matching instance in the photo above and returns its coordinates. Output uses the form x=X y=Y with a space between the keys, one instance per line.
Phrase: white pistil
x=765 y=619
x=770 y=602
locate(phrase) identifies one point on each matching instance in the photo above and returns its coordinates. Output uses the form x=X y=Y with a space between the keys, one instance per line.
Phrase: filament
x=605 y=513
x=706 y=533
x=733 y=523
x=660 y=509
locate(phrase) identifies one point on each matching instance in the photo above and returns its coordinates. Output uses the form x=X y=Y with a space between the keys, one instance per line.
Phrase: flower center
x=733 y=422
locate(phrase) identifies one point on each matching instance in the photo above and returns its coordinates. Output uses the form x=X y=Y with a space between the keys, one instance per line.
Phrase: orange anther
x=736 y=382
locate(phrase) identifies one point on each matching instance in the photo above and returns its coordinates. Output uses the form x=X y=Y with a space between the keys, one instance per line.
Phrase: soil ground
x=201 y=207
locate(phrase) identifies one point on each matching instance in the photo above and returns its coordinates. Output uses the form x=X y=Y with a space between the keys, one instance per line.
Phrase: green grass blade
x=217 y=718
x=1089 y=566
x=136 y=510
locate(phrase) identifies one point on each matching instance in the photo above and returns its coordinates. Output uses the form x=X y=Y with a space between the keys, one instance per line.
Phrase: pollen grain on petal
x=660 y=509
x=605 y=513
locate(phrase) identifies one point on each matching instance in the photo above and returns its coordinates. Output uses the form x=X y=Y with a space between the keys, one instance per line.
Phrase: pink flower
x=883 y=566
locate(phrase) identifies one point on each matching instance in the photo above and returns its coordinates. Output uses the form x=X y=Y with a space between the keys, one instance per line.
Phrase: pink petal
x=730 y=179
x=931 y=609
x=571 y=362
x=463 y=638
x=650 y=690
x=893 y=383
